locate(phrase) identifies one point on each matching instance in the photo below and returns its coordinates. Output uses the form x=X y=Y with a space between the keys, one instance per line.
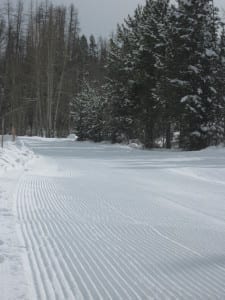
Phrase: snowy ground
x=13 y=155
x=14 y=159
x=110 y=222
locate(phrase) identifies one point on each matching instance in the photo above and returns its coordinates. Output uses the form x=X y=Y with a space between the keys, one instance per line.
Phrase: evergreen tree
x=87 y=115
x=220 y=108
x=151 y=67
x=118 y=88
x=83 y=58
x=195 y=59
x=136 y=64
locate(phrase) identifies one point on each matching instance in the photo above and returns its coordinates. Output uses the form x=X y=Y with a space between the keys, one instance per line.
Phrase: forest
x=159 y=79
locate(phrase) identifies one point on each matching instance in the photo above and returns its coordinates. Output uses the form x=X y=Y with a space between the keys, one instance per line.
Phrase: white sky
x=101 y=16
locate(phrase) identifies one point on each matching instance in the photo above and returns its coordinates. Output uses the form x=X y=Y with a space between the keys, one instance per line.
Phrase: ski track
x=81 y=243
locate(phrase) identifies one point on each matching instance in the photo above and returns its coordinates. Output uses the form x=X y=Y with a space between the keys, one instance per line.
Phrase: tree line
x=159 y=79
x=43 y=62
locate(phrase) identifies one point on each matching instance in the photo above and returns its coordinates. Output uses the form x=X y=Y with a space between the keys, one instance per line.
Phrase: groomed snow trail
x=110 y=222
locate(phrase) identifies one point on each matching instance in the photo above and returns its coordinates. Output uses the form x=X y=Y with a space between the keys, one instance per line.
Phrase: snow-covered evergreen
x=87 y=113
x=196 y=50
x=165 y=74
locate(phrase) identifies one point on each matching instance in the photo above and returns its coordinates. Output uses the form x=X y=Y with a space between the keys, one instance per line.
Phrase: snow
x=185 y=99
x=72 y=137
x=194 y=69
x=13 y=155
x=213 y=90
x=210 y=53
x=100 y=221
x=135 y=143
x=14 y=159
x=196 y=133
x=179 y=82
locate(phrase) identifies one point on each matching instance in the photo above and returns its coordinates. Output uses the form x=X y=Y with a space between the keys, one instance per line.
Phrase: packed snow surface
x=97 y=221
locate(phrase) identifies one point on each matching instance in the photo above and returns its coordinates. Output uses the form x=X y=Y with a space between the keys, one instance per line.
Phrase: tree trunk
x=168 y=135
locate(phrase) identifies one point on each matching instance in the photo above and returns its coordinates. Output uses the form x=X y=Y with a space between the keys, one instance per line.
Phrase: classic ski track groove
x=80 y=248
x=62 y=253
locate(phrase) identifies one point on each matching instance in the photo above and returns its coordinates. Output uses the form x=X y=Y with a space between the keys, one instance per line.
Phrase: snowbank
x=70 y=137
x=14 y=155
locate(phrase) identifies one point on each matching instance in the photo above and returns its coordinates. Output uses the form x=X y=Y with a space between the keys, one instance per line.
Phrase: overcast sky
x=101 y=16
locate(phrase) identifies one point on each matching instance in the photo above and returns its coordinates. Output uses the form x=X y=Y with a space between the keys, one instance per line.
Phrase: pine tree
x=119 y=86
x=93 y=58
x=153 y=62
x=136 y=65
x=83 y=58
x=220 y=109
x=195 y=58
x=87 y=113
